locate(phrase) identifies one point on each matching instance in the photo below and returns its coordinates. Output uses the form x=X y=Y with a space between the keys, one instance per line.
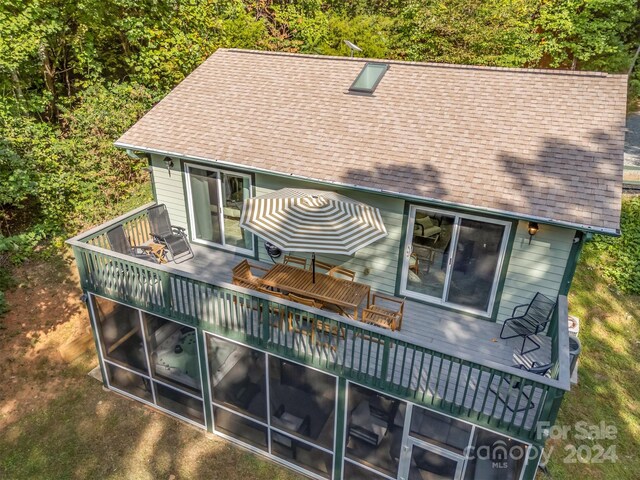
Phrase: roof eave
x=510 y=214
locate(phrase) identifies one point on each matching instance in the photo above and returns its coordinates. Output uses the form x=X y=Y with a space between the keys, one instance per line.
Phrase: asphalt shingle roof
x=540 y=144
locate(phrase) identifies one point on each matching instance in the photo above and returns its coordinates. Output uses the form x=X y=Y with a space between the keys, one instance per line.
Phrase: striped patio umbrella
x=316 y=221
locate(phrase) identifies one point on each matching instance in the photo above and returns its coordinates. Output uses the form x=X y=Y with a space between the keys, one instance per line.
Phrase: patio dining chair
x=340 y=272
x=172 y=237
x=508 y=390
x=243 y=275
x=303 y=322
x=384 y=311
x=276 y=312
x=324 y=267
x=119 y=242
x=297 y=261
x=531 y=322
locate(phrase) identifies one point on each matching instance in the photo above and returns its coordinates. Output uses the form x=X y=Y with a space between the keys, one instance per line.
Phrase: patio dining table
x=345 y=294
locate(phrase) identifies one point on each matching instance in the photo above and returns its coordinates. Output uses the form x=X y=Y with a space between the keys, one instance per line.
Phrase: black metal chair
x=505 y=394
x=119 y=242
x=531 y=322
x=172 y=237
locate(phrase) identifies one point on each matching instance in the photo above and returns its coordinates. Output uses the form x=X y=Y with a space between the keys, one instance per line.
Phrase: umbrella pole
x=313 y=267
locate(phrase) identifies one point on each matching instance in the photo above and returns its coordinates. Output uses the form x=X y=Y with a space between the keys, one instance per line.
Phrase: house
x=488 y=181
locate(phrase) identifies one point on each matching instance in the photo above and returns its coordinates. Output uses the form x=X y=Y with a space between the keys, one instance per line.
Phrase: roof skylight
x=369 y=77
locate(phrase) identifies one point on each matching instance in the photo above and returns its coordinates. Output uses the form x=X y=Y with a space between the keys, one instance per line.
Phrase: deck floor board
x=450 y=331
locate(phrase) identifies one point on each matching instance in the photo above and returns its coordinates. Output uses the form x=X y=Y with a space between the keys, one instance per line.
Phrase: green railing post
x=166 y=296
x=384 y=368
x=263 y=305
x=341 y=422
x=202 y=345
x=551 y=406
x=81 y=266
x=93 y=321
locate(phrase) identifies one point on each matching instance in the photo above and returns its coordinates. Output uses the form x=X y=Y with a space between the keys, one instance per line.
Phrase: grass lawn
x=609 y=380
x=57 y=423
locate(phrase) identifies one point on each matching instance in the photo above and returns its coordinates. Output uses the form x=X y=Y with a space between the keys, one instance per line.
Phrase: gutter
x=506 y=213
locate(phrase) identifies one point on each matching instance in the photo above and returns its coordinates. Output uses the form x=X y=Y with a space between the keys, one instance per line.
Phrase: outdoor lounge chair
x=119 y=242
x=425 y=229
x=531 y=322
x=172 y=237
x=507 y=391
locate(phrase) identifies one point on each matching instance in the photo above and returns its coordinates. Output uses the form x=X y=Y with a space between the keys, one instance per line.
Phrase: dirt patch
x=57 y=422
x=45 y=312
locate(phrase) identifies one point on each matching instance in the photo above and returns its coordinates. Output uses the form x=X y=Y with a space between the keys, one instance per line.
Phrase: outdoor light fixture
x=169 y=163
x=533 y=229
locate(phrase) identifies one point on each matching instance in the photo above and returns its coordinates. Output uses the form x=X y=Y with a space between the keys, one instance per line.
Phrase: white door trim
x=458 y=217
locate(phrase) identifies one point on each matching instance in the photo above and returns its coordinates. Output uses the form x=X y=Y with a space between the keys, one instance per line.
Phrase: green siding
x=538 y=267
x=169 y=189
x=376 y=264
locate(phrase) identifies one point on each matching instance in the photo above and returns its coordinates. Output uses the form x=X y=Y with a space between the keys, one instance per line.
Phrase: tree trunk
x=16 y=85
x=49 y=72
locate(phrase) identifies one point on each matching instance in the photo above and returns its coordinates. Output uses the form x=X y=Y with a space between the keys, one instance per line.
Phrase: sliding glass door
x=453 y=259
x=215 y=203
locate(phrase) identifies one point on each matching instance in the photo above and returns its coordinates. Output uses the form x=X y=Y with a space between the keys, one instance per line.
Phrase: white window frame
x=191 y=212
x=443 y=299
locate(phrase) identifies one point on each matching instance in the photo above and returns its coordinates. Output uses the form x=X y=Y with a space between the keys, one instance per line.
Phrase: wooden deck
x=451 y=361
x=446 y=330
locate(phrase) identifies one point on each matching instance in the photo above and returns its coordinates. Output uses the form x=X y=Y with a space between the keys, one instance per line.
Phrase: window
x=302 y=401
x=440 y=430
x=369 y=77
x=495 y=456
x=278 y=406
x=215 y=204
x=150 y=358
x=120 y=334
x=173 y=353
x=238 y=377
x=453 y=259
x=374 y=430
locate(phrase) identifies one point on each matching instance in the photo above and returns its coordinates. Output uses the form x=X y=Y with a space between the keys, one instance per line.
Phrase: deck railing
x=460 y=385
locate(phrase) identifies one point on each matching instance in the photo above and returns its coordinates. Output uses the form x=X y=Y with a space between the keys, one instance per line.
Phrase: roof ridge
x=544 y=71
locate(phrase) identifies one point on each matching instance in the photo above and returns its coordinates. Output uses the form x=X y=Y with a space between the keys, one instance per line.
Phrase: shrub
x=620 y=256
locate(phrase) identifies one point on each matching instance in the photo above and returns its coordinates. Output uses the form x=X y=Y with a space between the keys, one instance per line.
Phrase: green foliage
x=74 y=75
x=171 y=48
x=17 y=248
x=484 y=32
x=307 y=27
x=586 y=33
x=72 y=175
x=621 y=255
x=13 y=250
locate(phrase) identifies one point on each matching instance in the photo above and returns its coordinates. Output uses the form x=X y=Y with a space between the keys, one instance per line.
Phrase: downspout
x=574 y=256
